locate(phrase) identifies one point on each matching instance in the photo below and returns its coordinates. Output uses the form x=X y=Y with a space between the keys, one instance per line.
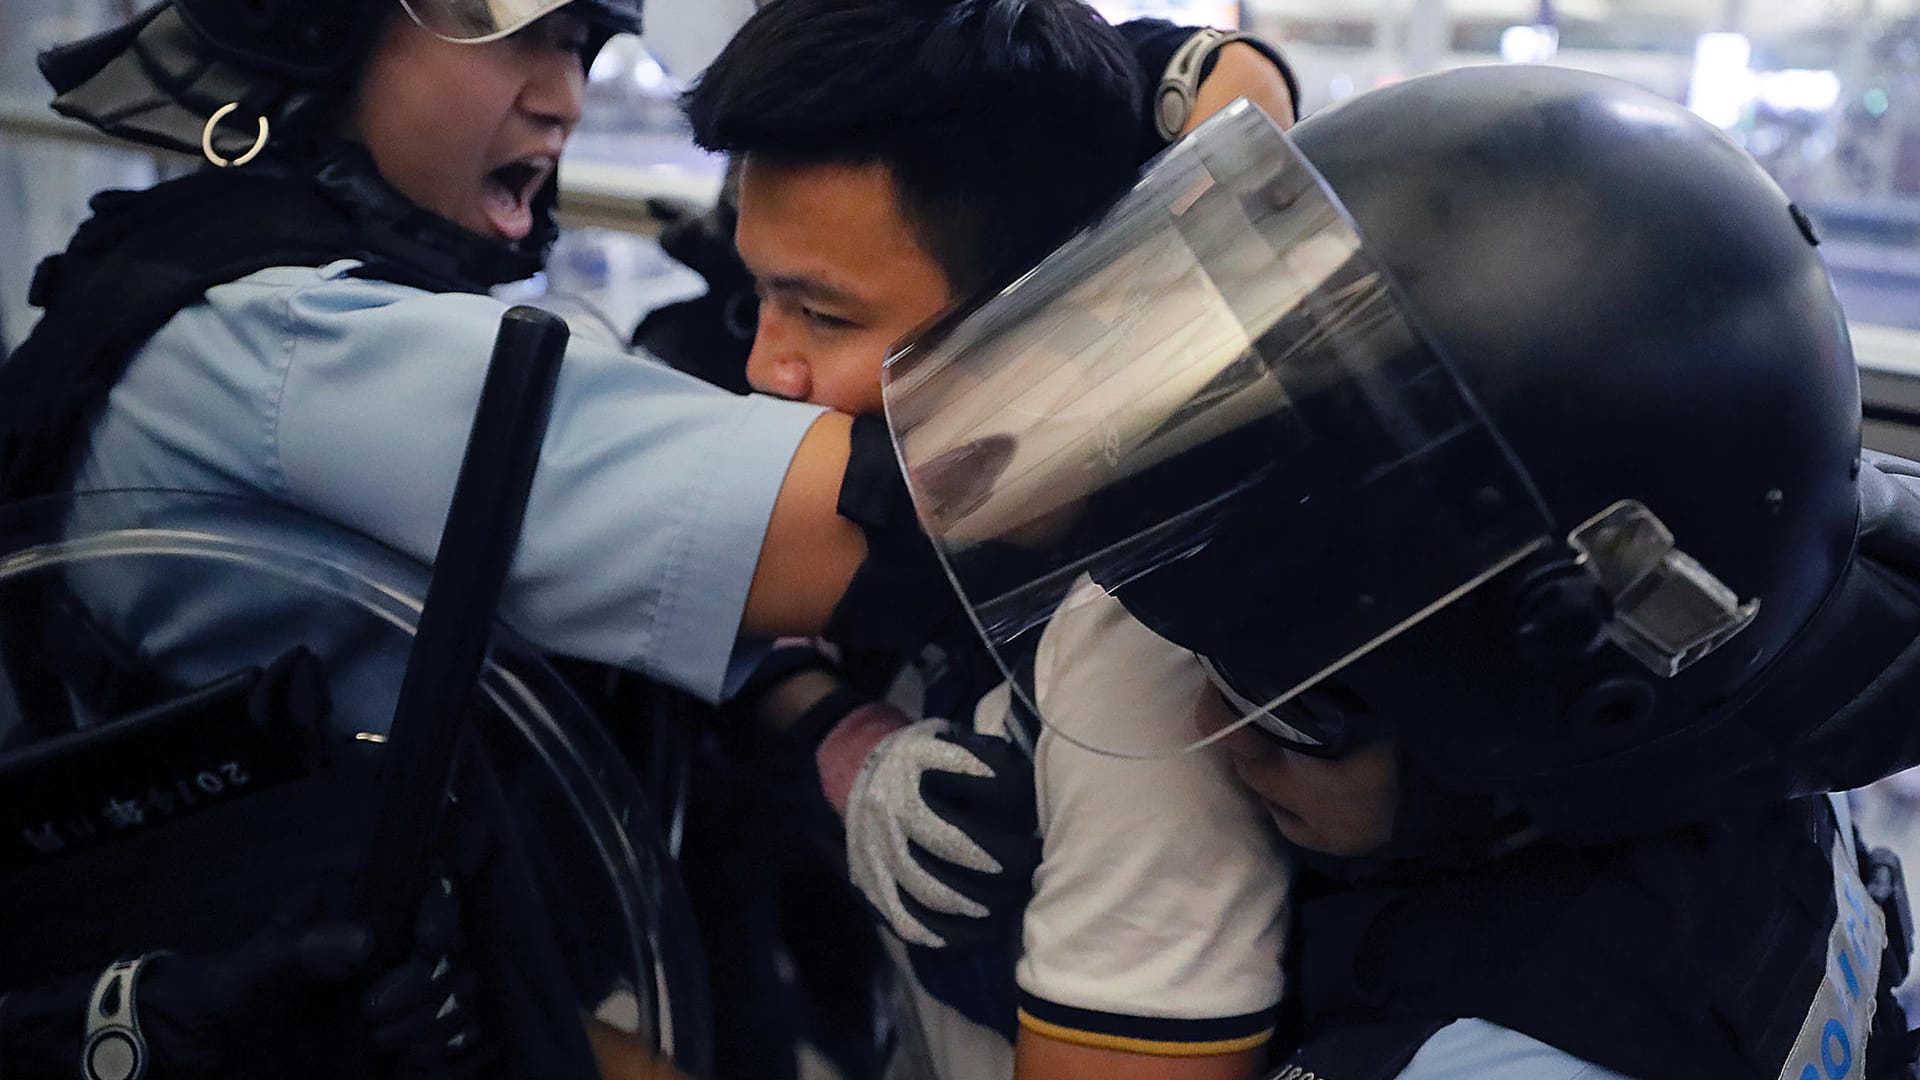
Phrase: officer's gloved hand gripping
x=940 y=820
x=240 y=1012
x=941 y=833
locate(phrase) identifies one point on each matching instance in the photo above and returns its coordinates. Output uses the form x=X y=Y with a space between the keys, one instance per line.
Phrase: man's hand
x=941 y=834
x=1342 y=807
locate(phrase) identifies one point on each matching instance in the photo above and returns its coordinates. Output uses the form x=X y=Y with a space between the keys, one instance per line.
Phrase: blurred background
x=1825 y=93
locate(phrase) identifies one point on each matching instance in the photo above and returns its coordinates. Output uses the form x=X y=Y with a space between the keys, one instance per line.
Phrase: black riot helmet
x=314 y=41
x=302 y=42
x=1641 y=314
x=1508 y=412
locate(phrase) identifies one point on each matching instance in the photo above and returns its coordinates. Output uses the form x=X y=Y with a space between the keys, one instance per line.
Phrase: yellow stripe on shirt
x=1162 y=1048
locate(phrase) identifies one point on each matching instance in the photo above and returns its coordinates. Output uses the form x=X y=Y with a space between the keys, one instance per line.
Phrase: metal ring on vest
x=206 y=139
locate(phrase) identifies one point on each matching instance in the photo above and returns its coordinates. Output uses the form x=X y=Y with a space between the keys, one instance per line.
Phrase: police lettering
x=120 y=812
x=124 y=813
x=1832 y=1039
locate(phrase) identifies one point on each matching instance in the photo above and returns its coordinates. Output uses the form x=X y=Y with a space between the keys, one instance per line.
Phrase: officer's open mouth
x=510 y=190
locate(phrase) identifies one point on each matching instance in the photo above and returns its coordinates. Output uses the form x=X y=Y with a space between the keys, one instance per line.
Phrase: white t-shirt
x=1159 y=904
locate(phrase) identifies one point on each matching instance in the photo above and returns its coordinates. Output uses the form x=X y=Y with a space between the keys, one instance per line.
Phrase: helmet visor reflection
x=1325 y=720
x=471 y=22
x=1212 y=389
x=1247 y=708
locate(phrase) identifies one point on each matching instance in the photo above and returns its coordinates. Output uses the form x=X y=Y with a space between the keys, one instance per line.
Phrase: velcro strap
x=46 y=278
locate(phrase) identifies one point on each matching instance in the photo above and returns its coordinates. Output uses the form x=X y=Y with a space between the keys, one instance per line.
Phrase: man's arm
x=844 y=556
x=1040 y=1057
x=810 y=552
x=1243 y=72
x=1189 y=73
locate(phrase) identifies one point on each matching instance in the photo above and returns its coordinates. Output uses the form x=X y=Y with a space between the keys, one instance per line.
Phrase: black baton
x=477 y=543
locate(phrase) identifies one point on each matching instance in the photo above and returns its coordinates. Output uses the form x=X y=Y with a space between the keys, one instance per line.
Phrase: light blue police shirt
x=351 y=399
x=1479 y=1050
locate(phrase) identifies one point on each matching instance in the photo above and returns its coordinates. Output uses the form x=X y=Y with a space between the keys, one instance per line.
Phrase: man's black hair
x=1006 y=124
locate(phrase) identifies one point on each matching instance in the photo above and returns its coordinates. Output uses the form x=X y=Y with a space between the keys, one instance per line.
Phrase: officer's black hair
x=1006 y=124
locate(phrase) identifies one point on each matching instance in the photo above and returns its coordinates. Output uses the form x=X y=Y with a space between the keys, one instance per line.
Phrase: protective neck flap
x=1875 y=613
x=154 y=82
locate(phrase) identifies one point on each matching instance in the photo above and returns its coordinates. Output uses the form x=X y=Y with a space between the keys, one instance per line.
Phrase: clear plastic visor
x=1185 y=403
x=474 y=21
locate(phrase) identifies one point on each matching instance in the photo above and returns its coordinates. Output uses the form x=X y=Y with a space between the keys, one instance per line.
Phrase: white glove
x=940 y=833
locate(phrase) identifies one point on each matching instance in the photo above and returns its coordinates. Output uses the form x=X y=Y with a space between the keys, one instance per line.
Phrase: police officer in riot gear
x=1501 y=427
x=405 y=154
x=374 y=168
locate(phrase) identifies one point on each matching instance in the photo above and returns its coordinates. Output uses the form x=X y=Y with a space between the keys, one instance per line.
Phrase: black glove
x=225 y=1014
x=242 y=1012
x=424 y=1011
x=271 y=1007
x=237 y=1013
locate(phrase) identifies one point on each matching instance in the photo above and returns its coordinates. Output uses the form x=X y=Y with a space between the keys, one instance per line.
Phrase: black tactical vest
x=1728 y=950
x=144 y=255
